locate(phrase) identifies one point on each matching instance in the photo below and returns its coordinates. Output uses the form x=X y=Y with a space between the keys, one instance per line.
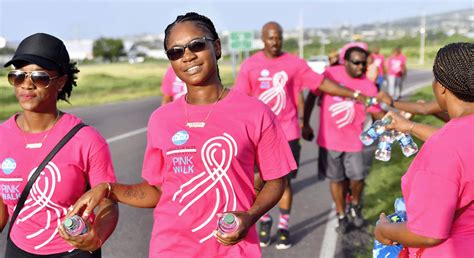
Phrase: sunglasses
x=364 y=63
x=195 y=45
x=40 y=79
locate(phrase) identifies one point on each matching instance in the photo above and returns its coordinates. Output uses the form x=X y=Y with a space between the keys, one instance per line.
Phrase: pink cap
x=342 y=51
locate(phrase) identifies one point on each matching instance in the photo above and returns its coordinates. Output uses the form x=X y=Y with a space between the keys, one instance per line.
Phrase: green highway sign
x=240 y=40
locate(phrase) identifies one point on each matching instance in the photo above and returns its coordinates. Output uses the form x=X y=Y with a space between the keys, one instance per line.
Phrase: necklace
x=37 y=145
x=200 y=124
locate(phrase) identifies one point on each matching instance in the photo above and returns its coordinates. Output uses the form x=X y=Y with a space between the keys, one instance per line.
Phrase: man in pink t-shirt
x=172 y=87
x=396 y=69
x=341 y=123
x=276 y=78
x=379 y=61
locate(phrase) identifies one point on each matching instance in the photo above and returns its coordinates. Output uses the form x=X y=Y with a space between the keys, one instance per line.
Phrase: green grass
x=383 y=182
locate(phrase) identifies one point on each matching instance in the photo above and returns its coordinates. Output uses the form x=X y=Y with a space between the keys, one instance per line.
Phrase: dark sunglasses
x=195 y=45
x=364 y=63
x=40 y=79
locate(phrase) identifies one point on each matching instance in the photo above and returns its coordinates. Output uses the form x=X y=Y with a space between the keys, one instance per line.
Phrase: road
x=123 y=124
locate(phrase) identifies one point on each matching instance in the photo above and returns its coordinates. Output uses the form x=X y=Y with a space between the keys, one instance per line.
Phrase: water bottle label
x=372 y=133
x=405 y=141
x=385 y=146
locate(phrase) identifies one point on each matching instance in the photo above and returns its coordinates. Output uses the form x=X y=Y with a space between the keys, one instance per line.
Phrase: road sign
x=240 y=40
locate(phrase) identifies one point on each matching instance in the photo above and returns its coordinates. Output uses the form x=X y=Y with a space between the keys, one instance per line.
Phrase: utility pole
x=323 y=44
x=301 y=36
x=422 y=38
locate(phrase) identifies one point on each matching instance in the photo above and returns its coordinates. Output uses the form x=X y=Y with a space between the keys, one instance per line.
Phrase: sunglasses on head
x=40 y=79
x=195 y=45
x=364 y=63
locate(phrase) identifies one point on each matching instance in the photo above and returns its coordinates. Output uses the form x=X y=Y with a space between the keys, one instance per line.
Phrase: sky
x=91 y=19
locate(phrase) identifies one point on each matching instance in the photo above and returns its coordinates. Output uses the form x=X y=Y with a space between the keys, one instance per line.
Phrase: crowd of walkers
x=200 y=162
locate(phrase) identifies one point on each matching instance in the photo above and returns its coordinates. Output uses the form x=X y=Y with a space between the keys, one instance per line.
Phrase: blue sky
x=71 y=19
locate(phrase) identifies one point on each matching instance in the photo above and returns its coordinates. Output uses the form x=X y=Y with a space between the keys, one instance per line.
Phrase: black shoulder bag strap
x=31 y=181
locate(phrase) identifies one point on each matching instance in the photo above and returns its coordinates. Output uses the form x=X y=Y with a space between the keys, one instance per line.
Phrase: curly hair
x=71 y=73
x=454 y=69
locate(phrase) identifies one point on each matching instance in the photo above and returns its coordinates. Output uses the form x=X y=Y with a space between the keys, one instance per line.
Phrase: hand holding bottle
x=399 y=123
x=232 y=237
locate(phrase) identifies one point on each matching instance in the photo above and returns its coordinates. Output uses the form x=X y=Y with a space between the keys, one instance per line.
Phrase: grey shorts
x=339 y=166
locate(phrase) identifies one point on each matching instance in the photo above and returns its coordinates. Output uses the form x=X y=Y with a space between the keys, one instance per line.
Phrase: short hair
x=453 y=68
x=349 y=51
x=71 y=82
x=199 y=20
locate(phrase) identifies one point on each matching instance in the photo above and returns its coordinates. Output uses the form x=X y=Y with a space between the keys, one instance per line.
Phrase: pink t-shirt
x=172 y=85
x=379 y=60
x=276 y=82
x=342 y=120
x=438 y=184
x=210 y=170
x=395 y=65
x=84 y=160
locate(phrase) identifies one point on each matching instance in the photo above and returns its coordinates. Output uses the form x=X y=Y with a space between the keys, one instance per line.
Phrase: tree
x=108 y=49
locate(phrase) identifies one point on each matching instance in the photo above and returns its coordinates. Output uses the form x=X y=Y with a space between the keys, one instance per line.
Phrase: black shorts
x=339 y=166
x=13 y=251
x=295 y=147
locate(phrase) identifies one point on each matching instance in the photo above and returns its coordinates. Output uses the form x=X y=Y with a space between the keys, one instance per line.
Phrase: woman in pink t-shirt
x=201 y=154
x=438 y=187
x=172 y=87
x=43 y=75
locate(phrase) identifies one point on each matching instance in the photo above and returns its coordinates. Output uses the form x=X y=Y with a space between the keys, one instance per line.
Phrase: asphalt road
x=123 y=125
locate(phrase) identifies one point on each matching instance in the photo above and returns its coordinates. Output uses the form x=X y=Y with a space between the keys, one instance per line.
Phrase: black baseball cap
x=44 y=50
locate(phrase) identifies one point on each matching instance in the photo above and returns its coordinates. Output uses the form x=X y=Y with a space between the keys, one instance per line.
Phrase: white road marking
x=416 y=87
x=126 y=135
x=328 y=246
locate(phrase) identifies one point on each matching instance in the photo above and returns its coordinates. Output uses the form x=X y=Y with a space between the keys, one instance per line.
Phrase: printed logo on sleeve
x=8 y=166
x=180 y=137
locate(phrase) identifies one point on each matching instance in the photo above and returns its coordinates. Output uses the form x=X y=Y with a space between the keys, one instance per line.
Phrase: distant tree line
x=108 y=49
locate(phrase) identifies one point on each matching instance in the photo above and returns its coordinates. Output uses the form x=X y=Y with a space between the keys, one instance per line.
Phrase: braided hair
x=71 y=72
x=453 y=68
x=200 y=21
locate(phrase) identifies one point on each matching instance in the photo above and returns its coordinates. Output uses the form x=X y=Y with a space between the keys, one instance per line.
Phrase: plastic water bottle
x=228 y=223
x=407 y=144
x=378 y=127
x=384 y=148
x=391 y=251
x=75 y=226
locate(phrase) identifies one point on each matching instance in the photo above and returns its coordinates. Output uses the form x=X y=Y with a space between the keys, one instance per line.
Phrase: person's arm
x=389 y=233
x=332 y=88
x=166 y=99
x=307 y=130
x=3 y=215
x=421 y=131
x=378 y=115
x=300 y=106
x=266 y=199
x=418 y=108
x=141 y=195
